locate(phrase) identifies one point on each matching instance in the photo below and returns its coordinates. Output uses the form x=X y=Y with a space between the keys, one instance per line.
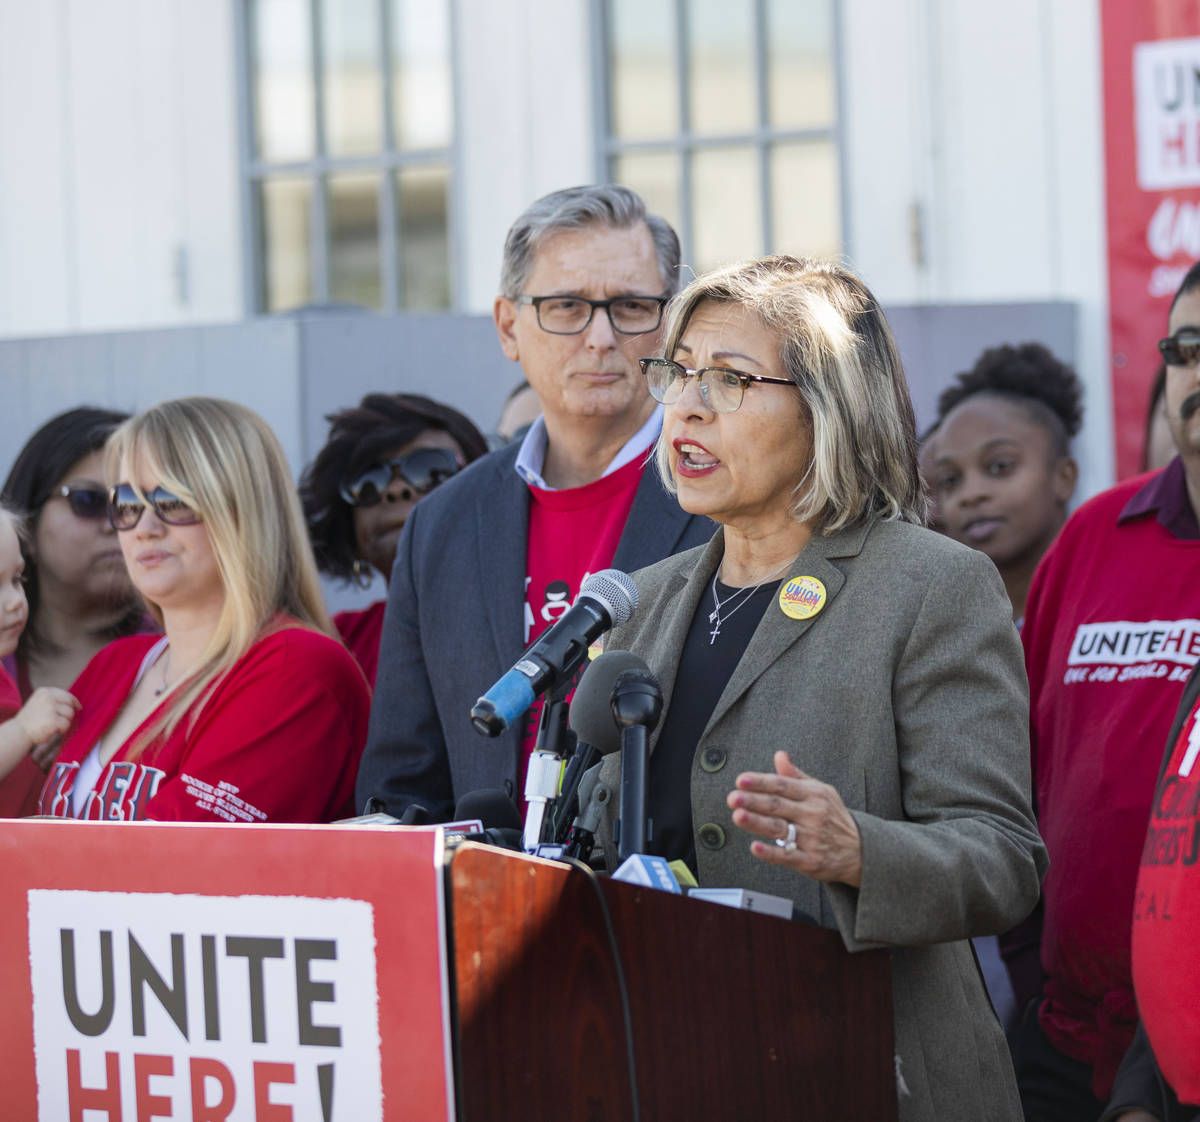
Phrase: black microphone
x=595 y=730
x=606 y=599
x=636 y=707
x=414 y=815
x=498 y=813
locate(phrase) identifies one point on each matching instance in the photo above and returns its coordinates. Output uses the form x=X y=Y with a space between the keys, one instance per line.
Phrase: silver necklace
x=715 y=617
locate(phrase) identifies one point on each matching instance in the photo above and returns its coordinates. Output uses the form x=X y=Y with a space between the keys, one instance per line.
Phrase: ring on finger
x=788 y=842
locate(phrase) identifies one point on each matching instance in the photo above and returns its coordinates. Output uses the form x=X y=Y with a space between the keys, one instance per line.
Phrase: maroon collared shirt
x=1166 y=495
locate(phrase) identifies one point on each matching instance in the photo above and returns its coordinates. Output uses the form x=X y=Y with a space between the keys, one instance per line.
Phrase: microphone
x=596 y=732
x=636 y=707
x=606 y=600
x=414 y=815
x=498 y=813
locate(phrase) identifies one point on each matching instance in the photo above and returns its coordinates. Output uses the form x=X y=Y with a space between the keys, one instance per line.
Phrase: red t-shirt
x=278 y=740
x=361 y=632
x=572 y=534
x=1112 y=628
x=10 y=696
x=20 y=788
x=1166 y=918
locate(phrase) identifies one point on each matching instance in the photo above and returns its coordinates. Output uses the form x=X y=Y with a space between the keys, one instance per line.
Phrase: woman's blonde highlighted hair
x=224 y=461
x=837 y=346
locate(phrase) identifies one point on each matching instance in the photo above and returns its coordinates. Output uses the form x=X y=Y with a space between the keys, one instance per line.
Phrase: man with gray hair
x=497 y=554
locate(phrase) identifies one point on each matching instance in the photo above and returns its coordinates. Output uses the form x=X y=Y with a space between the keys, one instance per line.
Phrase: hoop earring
x=362 y=574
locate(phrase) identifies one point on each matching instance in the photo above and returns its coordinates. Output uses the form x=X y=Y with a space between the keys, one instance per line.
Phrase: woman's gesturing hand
x=805 y=822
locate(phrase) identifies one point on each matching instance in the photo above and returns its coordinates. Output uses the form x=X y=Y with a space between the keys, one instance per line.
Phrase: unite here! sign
x=210 y=1008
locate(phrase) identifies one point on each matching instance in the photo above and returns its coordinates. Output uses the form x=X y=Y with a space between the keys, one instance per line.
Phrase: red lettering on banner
x=150 y=1106
x=264 y=1076
x=1172 y=142
x=202 y=1109
x=81 y=1098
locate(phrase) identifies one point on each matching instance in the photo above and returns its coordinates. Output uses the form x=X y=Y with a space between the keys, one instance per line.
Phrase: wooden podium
x=732 y=1014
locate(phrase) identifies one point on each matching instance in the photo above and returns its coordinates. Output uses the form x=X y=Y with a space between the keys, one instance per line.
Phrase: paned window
x=347 y=135
x=723 y=114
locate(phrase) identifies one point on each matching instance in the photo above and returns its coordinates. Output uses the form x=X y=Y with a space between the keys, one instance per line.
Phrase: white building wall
x=973 y=144
x=118 y=165
x=524 y=88
x=974 y=141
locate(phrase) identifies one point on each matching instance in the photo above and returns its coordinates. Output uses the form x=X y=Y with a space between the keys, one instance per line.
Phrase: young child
x=1000 y=459
x=49 y=711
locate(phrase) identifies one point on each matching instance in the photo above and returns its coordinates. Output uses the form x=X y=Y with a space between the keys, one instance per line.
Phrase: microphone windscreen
x=616 y=591
x=591 y=716
x=491 y=806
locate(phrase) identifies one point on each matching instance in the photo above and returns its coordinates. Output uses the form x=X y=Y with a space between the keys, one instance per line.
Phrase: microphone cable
x=622 y=988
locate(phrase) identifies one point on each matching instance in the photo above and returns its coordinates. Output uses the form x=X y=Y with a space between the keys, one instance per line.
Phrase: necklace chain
x=715 y=617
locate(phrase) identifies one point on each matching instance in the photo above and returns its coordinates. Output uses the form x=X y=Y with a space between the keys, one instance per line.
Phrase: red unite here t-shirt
x=1166 y=918
x=572 y=534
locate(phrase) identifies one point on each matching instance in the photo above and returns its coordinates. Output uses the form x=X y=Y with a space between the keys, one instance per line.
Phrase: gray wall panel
x=937 y=342
x=296 y=369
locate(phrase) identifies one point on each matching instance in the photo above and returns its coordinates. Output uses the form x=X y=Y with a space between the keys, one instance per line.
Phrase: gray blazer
x=455 y=623
x=907 y=693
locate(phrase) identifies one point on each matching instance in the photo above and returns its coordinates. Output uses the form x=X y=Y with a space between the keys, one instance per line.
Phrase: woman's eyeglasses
x=125 y=507
x=88 y=503
x=1180 y=350
x=421 y=470
x=721 y=389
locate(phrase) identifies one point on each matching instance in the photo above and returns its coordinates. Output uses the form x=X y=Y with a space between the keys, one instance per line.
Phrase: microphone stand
x=554 y=742
x=636 y=707
x=594 y=796
x=571 y=797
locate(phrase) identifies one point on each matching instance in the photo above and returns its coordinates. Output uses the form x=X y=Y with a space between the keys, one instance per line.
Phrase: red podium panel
x=730 y=1014
x=223 y=973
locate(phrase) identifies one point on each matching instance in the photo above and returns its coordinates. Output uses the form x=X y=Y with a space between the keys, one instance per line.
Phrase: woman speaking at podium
x=245 y=710
x=845 y=713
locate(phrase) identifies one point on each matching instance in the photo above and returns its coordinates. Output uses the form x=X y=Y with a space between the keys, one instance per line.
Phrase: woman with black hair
x=79 y=593
x=1002 y=471
x=381 y=458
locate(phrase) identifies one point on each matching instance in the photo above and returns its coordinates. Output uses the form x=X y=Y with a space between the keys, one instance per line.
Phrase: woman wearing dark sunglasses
x=381 y=458
x=78 y=590
x=246 y=710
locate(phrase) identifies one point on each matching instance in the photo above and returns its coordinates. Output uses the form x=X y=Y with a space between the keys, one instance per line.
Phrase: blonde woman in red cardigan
x=245 y=710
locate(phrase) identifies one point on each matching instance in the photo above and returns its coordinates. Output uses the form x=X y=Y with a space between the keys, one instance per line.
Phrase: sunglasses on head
x=1180 y=350
x=421 y=470
x=89 y=503
x=125 y=507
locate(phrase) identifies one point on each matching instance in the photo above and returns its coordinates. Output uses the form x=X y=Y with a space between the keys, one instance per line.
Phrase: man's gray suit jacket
x=455 y=623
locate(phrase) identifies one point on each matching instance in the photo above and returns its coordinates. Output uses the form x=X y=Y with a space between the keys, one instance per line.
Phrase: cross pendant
x=714 y=633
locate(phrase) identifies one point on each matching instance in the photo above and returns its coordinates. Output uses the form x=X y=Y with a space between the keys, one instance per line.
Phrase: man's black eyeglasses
x=569 y=315
x=1180 y=350
x=421 y=470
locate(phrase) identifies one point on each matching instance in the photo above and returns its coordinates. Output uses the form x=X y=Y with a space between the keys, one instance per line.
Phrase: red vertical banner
x=1152 y=168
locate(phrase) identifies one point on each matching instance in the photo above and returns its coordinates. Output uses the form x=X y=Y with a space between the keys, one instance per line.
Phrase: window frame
x=316 y=171
x=685 y=144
